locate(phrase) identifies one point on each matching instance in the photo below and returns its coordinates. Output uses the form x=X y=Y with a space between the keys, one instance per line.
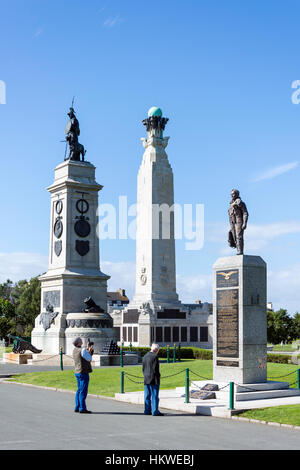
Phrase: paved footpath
x=33 y=418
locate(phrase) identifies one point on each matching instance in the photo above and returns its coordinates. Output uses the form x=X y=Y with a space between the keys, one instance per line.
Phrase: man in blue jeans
x=151 y=381
x=82 y=359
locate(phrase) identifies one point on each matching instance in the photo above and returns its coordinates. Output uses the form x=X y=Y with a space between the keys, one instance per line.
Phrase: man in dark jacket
x=151 y=381
x=82 y=359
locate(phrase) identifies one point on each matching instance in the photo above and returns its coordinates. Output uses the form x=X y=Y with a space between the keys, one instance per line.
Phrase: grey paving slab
x=218 y=406
x=33 y=418
x=6 y=369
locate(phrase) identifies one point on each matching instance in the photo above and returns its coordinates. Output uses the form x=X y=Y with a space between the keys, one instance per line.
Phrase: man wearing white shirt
x=82 y=359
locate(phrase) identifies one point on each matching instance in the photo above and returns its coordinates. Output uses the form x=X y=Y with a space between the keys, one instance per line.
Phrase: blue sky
x=222 y=72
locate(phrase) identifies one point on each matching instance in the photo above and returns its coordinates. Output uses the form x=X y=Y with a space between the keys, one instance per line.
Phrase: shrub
x=279 y=358
x=185 y=352
x=191 y=352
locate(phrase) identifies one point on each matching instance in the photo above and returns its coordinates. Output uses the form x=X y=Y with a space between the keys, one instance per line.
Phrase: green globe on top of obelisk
x=155 y=111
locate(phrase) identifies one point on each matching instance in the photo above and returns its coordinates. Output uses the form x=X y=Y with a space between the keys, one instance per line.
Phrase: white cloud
x=275 y=171
x=192 y=288
x=283 y=288
x=38 y=32
x=110 y=22
x=20 y=265
x=122 y=275
x=216 y=232
x=257 y=236
x=189 y=288
x=23 y=265
x=283 y=284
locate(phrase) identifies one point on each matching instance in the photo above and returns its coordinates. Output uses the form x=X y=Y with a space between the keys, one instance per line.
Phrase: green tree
x=296 y=325
x=7 y=317
x=6 y=289
x=280 y=327
x=27 y=299
x=17 y=291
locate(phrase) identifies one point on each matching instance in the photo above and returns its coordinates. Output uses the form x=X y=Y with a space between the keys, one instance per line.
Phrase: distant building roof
x=119 y=295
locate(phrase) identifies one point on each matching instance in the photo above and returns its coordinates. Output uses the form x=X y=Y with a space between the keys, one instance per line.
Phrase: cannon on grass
x=20 y=345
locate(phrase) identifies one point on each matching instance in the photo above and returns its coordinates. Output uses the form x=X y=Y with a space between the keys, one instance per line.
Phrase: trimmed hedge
x=279 y=358
x=185 y=352
x=204 y=354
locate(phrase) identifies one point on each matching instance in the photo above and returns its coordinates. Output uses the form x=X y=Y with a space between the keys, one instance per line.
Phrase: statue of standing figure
x=238 y=218
x=72 y=132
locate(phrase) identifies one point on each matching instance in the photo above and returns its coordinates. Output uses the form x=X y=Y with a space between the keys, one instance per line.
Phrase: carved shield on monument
x=47 y=318
x=58 y=227
x=58 y=247
x=82 y=228
x=82 y=247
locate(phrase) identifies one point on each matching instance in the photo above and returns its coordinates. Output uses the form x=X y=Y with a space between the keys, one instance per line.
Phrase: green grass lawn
x=6 y=350
x=287 y=414
x=284 y=347
x=107 y=382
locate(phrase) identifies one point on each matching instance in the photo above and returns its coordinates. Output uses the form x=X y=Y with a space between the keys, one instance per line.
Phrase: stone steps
x=246 y=392
x=260 y=395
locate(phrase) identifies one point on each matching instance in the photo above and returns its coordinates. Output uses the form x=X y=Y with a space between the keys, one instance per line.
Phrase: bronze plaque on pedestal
x=228 y=323
x=228 y=278
x=228 y=363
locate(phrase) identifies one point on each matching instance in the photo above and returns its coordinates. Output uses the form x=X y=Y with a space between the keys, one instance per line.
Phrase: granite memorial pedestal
x=240 y=320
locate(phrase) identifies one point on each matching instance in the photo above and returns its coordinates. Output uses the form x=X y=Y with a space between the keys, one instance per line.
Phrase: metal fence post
x=122 y=382
x=61 y=359
x=231 y=395
x=298 y=378
x=121 y=357
x=174 y=353
x=187 y=385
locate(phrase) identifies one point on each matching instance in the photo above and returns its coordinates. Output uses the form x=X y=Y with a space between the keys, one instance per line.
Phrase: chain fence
x=200 y=376
x=46 y=358
x=137 y=379
x=231 y=387
x=281 y=376
x=203 y=390
x=127 y=374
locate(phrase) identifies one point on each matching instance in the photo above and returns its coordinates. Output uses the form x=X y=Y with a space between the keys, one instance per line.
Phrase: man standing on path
x=82 y=359
x=151 y=381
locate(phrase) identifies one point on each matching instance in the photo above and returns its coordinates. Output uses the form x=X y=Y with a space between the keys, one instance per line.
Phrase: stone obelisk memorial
x=155 y=301
x=155 y=244
x=74 y=289
x=240 y=299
